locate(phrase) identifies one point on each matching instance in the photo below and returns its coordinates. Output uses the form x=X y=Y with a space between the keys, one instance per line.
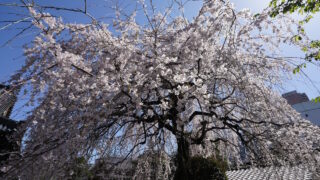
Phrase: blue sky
x=310 y=84
x=12 y=54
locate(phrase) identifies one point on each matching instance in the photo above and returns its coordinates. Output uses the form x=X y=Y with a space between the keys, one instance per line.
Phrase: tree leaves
x=316 y=100
x=303 y=7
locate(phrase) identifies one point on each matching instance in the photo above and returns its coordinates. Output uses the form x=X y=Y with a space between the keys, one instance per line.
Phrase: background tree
x=172 y=85
x=303 y=7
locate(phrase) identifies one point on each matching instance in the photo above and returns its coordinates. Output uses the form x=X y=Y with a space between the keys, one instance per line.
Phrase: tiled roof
x=7 y=100
x=271 y=173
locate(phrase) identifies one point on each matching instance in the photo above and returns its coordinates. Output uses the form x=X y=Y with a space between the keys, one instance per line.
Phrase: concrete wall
x=309 y=110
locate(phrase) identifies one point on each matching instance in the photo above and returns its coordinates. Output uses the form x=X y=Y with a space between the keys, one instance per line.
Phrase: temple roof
x=271 y=173
x=7 y=101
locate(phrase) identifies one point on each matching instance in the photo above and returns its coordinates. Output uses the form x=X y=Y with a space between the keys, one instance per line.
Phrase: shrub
x=207 y=168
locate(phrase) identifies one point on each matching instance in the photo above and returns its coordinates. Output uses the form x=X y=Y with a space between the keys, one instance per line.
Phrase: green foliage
x=316 y=100
x=315 y=54
x=296 y=70
x=290 y=6
x=299 y=67
x=302 y=7
x=207 y=168
x=315 y=44
x=297 y=38
x=305 y=49
x=306 y=19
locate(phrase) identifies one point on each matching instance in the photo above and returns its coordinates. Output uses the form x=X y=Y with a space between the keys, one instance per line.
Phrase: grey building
x=308 y=109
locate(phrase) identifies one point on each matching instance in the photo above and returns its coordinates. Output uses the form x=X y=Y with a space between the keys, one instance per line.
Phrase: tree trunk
x=183 y=160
